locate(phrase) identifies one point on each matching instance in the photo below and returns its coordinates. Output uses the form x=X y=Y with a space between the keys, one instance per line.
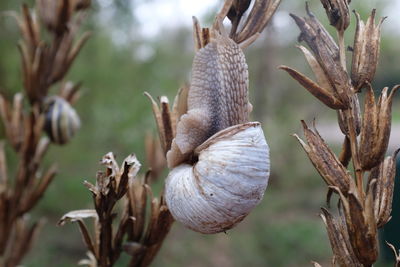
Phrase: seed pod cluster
x=333 y=86
x=362 y=209
x=326 y=52
x=61 y=122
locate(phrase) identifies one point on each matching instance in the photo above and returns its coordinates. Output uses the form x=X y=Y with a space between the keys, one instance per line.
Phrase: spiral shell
x=219 y=160
x=61 y=122
x=225 y=184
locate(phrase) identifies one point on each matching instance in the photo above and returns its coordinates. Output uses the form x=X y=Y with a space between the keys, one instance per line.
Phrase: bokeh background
x=146 y=45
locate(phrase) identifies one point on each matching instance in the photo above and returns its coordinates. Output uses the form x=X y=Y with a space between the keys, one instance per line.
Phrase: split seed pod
x=62 y=122
x=219 y=160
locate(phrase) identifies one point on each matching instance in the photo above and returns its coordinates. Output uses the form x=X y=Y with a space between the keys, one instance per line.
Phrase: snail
x=61 y=120
x=219 y=160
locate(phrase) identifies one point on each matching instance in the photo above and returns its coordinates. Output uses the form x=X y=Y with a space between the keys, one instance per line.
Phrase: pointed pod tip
x=297 y=19
x=325 y=211
x=283 y=67
x=394 y=90
x=304 y=124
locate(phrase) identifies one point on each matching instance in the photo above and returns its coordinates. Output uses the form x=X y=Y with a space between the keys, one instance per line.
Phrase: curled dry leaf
x=76 y=215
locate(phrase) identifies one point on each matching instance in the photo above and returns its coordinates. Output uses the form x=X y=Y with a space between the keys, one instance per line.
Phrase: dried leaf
x=76 y=215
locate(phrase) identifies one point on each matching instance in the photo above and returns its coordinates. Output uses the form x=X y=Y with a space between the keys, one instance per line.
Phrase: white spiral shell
x=62 y=121
x=219 y=160
x=225 y=184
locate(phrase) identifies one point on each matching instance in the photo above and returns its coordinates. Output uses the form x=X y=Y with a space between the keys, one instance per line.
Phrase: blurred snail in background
x=62 y=121
x=219 y=160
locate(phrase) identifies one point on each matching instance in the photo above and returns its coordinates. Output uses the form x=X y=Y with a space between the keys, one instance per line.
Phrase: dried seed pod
x=325 y=161
x=62 y=122
x=339 y=239
x=237 y=9
x=376 y=125
x=383 y=175
x=365 y=51
x=326 y=52
x=56 y=14
x=361 y=225
x=338 y=13
x=219 y=160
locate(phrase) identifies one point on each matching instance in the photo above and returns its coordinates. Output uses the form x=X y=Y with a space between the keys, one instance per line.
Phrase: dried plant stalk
x=362 y=209
x=43 y=65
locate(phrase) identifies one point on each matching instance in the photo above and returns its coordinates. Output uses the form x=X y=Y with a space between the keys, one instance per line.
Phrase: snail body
x=219 y=160
x=61 y=120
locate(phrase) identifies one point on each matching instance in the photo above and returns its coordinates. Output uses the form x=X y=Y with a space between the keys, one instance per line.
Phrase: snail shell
x=61 y=122
x=219 y=160
x=225 y=184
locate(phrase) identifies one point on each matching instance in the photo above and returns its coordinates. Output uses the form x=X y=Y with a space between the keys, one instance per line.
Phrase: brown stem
x=105 y=241
x=354 y=151
x=342 y=49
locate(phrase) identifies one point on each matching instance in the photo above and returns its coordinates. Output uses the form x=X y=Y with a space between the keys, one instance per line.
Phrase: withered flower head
x=376 y=125
x=338 y=13
x=366 y=50
x=333 y=88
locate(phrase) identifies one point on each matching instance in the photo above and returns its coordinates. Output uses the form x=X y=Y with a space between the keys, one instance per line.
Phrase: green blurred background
x=133 y=50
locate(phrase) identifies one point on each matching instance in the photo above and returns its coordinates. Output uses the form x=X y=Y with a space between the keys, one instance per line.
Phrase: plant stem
x=342 y=50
